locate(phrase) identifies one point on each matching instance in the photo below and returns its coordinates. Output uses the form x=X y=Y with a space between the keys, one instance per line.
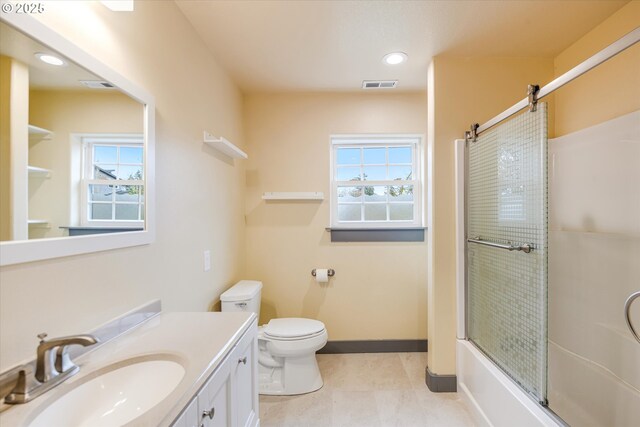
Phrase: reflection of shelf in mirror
x=36 y=172
x=224 y=146
x=38 y=223
x=39 y=134
x=293 y=195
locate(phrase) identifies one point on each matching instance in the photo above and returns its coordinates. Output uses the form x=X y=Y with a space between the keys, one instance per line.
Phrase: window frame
x=381 y=140
x=86 y=179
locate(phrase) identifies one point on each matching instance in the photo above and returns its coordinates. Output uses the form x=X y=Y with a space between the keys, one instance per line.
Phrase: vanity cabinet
x=229 y=398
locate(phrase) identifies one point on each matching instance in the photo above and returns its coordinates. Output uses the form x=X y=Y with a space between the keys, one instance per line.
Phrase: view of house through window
x=375 y=181
x=113 y=181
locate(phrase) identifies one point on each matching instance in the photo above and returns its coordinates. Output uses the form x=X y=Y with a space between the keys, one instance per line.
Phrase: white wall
x=200 y=195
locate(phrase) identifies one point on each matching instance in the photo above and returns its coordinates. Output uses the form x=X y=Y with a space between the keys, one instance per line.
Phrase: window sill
x=413 y=234
x=82 y=231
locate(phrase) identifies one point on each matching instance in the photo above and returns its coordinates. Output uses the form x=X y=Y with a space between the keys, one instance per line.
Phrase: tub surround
x=197 y=341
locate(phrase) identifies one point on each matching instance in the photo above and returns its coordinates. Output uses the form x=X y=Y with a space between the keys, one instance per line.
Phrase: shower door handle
x=525 y=247
x=627 y=313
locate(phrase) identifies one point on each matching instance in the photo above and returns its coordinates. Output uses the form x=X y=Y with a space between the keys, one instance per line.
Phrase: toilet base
x=295 y=375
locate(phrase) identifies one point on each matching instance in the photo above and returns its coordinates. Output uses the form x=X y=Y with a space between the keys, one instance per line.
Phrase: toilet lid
x=293 y=327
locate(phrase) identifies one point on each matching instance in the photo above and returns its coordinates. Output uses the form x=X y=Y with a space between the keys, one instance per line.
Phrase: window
x=112 y=181
x=375 y=181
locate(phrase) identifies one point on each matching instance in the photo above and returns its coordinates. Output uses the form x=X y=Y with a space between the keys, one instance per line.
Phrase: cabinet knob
x=243 y=360
x=210 y=413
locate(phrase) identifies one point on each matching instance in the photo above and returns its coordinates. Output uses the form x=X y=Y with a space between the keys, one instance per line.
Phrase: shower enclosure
x=549 y=266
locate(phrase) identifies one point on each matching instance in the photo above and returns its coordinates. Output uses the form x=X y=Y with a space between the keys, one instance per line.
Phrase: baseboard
x=374 y=346
x=441 y=383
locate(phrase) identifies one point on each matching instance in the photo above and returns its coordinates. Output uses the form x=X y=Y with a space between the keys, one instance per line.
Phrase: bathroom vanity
x=174 y=369
x=229 y=396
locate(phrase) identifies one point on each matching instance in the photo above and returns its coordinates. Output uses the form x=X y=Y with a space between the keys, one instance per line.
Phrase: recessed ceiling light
x=395 y=58
x=50 y=59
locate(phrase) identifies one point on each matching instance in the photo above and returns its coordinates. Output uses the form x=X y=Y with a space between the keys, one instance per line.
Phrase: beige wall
x=200 y=194
x=379 y=290
x=462 y=91
x=610 y=90
x=66 y=112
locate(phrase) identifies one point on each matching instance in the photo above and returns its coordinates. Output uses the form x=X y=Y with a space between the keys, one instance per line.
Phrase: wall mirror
x=76 y=149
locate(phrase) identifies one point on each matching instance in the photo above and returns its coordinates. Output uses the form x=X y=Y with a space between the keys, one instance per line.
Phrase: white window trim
x=415 y=141
x=88 y=140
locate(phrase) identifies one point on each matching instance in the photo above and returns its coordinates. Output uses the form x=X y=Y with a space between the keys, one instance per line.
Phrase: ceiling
x=16 y=45
x=334 y=45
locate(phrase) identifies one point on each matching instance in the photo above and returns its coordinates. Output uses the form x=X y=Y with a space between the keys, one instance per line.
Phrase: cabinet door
x=245 y=379
x=214 y=400
x=190 y=417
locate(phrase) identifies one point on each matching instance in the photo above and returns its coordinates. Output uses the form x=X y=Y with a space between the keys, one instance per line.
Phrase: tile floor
x=368 y=390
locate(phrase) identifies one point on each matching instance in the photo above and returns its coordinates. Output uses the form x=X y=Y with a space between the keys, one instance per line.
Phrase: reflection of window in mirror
x=112 y=184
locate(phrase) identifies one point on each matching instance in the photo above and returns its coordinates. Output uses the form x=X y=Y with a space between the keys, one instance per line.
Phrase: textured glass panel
x=127 y=193
x=377 y=193
x=400 y=172
x=100 y=210
x=349 y=194
x=401 y=212
x=401 y=193
x=348 y=174
x=507 y=291
x=375 y=212
x=100 y=193
x=374 y=173
x=349 y=212
x=375 y=156
x=126 y=212
x=348 y=156
x=400 y=155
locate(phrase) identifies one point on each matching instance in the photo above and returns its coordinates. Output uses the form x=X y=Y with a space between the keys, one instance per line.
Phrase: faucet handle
x=42 y=336
x=63 y=361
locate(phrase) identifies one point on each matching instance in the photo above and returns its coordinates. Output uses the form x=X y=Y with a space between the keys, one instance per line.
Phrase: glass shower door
x=507 y=248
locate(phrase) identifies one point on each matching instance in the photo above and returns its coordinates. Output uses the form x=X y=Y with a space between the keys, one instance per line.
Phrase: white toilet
x=287 y=347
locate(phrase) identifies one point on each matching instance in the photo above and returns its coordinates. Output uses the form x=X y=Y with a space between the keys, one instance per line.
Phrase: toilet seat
x=293 y=329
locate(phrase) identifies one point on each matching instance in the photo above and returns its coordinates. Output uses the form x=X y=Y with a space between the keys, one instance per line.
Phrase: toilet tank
x=243 y=296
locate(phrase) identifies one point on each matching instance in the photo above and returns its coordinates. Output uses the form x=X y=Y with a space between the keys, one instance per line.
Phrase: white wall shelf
x=293 y=195
x=224 y=146
x=38 y=223
x=39 y=134
x=36 y=172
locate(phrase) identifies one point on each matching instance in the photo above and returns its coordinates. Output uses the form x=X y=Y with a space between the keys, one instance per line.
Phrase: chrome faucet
x=52 y=368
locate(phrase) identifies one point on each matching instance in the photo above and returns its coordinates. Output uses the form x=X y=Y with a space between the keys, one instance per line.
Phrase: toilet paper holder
x=331 y=272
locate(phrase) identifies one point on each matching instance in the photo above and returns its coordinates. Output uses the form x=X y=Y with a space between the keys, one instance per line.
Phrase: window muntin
x=113 y=182
x=375 y=182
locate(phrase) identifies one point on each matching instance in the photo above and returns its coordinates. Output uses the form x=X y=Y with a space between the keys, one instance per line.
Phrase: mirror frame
x=21 y=251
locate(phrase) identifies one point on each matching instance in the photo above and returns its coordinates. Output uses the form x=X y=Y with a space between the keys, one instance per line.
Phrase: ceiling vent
x=97 y=84
x=379 y=84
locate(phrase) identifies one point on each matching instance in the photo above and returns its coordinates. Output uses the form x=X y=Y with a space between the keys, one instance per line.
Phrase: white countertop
x=198 y=341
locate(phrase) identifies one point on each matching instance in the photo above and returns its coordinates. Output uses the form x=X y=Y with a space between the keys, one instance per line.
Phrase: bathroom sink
x=113 y=396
